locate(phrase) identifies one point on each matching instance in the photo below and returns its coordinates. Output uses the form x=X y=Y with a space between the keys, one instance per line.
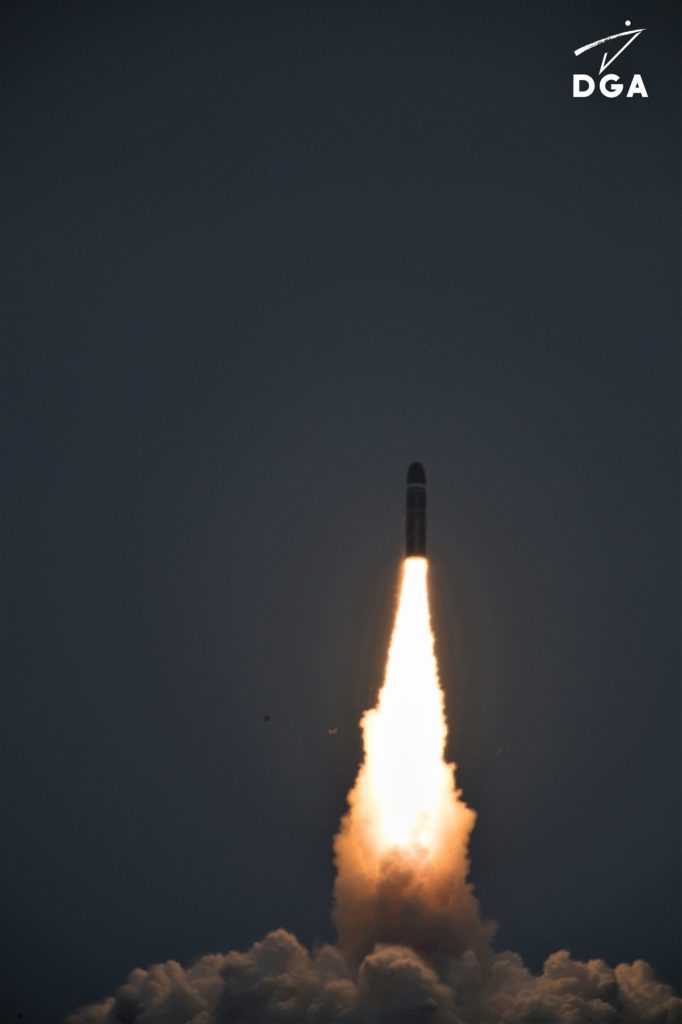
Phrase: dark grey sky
x=261 y=256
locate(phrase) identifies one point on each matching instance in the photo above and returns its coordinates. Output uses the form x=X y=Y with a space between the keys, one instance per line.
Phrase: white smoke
x=277 y=981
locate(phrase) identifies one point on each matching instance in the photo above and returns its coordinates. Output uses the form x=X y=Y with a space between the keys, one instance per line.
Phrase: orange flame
x=402 y=850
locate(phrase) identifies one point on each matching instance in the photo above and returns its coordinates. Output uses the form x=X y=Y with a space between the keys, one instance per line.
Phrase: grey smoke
x=278 y=981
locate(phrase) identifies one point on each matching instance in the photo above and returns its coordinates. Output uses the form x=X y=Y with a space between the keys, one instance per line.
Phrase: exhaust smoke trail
x=401 y=852
x=412 y=946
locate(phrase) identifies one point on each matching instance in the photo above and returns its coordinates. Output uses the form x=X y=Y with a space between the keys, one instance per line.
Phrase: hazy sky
x=261 y=256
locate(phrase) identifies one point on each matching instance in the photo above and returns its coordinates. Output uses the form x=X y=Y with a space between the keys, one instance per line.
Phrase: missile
x=415 y=512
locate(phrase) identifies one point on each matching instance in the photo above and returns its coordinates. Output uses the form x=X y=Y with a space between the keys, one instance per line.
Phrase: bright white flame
x=402 y=849
x=405 y=734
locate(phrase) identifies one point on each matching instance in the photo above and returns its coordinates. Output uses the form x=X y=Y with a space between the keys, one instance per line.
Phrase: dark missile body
x=415 y=512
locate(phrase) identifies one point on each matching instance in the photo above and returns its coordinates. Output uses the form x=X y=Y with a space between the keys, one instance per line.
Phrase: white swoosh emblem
x=632 y=34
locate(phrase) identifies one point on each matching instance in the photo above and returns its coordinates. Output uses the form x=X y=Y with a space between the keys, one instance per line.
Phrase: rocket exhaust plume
x=412 y=946
x=401 y=852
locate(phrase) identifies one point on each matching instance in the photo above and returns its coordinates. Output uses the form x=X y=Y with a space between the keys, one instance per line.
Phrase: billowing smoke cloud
x=278 y=980
x=413 y=948
x=416 y=897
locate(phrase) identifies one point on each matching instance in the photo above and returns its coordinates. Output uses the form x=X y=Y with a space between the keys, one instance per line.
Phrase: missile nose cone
x=416 y=474
x=415 y=512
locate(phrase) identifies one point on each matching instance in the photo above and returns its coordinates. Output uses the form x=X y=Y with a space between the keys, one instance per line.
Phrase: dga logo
x=609 y=85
